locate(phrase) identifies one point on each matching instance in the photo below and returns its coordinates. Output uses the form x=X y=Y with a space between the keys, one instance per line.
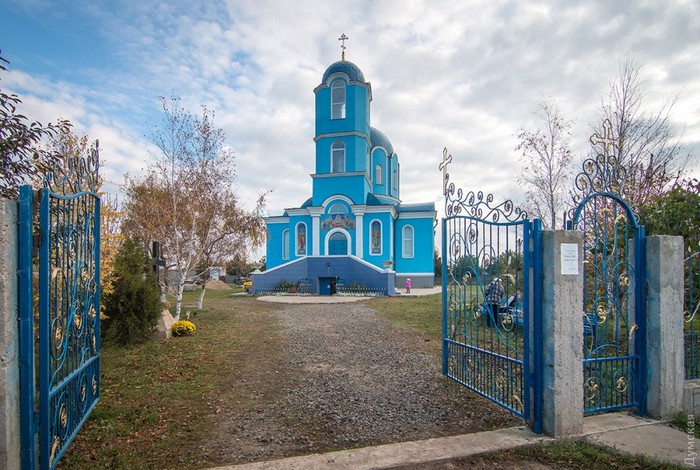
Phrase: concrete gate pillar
x=562 y=325
x=9 y=339
x=664 y=336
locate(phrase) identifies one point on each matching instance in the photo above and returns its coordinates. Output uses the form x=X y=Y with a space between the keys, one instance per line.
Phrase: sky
x=466 y=75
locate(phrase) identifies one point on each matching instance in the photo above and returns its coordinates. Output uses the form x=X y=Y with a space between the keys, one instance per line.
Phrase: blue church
x=353 y=230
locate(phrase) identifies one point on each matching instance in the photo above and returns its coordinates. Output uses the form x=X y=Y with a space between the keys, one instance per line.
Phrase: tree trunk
x=178 y=300
x=201 y=296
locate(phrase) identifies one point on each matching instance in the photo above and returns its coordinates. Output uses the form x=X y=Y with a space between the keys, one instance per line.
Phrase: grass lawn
x=159 y=399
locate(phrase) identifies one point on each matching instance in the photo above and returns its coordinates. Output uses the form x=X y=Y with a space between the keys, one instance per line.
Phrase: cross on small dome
x=342 y=38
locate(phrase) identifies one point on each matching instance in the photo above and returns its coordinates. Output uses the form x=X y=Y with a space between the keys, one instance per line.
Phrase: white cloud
x=465 y=75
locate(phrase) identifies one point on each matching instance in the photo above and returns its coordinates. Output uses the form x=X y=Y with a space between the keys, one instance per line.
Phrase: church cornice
x=341 y=134
x=297 y=211
x=338 y=175
x=383 y=209
x=276 y=220
x=417 y=215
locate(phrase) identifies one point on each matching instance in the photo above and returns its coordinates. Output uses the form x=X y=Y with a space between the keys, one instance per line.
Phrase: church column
x=359 y=212
x=315 y=230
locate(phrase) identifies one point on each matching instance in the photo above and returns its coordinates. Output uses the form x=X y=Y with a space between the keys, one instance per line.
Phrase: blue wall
x=356 y=110
x=273 y=251
x=349 y=269
x=423 y=246
x=354 y=187
x=356 y=148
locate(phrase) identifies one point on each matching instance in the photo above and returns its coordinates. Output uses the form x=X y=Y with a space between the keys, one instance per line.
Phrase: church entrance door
x=338 y=244
x=327 y=285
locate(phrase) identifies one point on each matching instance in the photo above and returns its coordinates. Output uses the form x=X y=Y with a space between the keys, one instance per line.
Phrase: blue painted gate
x=492 y=276
x=68 y=349
x=691 y=314
x=614 y=285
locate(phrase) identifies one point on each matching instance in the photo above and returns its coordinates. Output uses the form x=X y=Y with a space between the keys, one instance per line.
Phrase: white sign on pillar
x=569 y=259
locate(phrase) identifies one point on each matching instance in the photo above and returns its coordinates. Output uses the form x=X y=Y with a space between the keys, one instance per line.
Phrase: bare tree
x=186 y=200
x=546 y=159
x=647 y=146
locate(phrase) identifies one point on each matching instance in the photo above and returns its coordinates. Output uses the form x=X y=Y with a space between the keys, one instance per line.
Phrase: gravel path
x=351 y=379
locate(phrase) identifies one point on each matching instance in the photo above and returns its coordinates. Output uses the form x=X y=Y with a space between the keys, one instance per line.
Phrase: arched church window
x=395 y=180
x=407 y=237
x=301 y=239
x=337 y=157
x=338 y=100
x=376 y=238
x=378 y=174
x=338 y=209
x=285 y=244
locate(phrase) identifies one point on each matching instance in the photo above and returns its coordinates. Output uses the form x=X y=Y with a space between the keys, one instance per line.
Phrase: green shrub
x=133 y=307
x=183 y=328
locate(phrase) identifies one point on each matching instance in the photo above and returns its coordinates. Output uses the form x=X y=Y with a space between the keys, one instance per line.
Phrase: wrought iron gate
x=691 y=314
x=491 y=318
x=68 y=310
x=614 y=303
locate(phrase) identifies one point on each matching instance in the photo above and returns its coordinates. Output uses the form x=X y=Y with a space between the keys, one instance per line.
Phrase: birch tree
x=647 y=145
x=185 y=200
x=546 y=163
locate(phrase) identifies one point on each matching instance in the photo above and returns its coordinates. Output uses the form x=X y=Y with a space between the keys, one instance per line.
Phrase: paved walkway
x=336 y=299
x=622 y=432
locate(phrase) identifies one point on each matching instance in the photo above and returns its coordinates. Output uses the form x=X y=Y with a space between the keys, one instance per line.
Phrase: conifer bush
x=133 y=306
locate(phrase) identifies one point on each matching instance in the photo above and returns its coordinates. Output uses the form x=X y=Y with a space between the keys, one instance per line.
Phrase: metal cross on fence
x=607 y=139
x=446 y=160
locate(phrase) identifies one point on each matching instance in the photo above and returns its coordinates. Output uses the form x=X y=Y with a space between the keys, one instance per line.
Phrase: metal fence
x=691 y=315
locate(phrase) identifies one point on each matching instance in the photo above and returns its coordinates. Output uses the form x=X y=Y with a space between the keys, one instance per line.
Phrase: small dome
x=348 y=68
x=378 y=139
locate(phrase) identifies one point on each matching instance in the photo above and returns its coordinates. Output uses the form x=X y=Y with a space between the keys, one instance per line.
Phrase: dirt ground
x=340 y=377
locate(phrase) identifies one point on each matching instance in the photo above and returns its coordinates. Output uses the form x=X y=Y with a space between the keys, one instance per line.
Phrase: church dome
x=348 y=68
x=378 y=139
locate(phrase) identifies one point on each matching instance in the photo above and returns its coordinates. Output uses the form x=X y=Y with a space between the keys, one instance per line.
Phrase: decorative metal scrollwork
x=602 y=173
x=75 y=173
x=475 y=204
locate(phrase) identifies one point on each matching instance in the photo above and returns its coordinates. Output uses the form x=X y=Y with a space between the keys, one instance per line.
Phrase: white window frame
x=338 y=105
x=296 y=240
x=336 y=147
x=378 y=174
x=408 y=240
x=285 y=244
x=381 y=238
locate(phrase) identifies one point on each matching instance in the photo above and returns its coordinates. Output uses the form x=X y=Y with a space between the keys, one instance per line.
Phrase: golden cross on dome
x=343 y=38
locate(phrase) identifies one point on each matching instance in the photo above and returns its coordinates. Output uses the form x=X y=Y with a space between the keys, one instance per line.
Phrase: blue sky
x=464 y=75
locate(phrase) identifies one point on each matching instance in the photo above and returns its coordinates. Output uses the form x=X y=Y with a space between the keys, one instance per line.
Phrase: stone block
x=165 y=324
x=691 y=397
